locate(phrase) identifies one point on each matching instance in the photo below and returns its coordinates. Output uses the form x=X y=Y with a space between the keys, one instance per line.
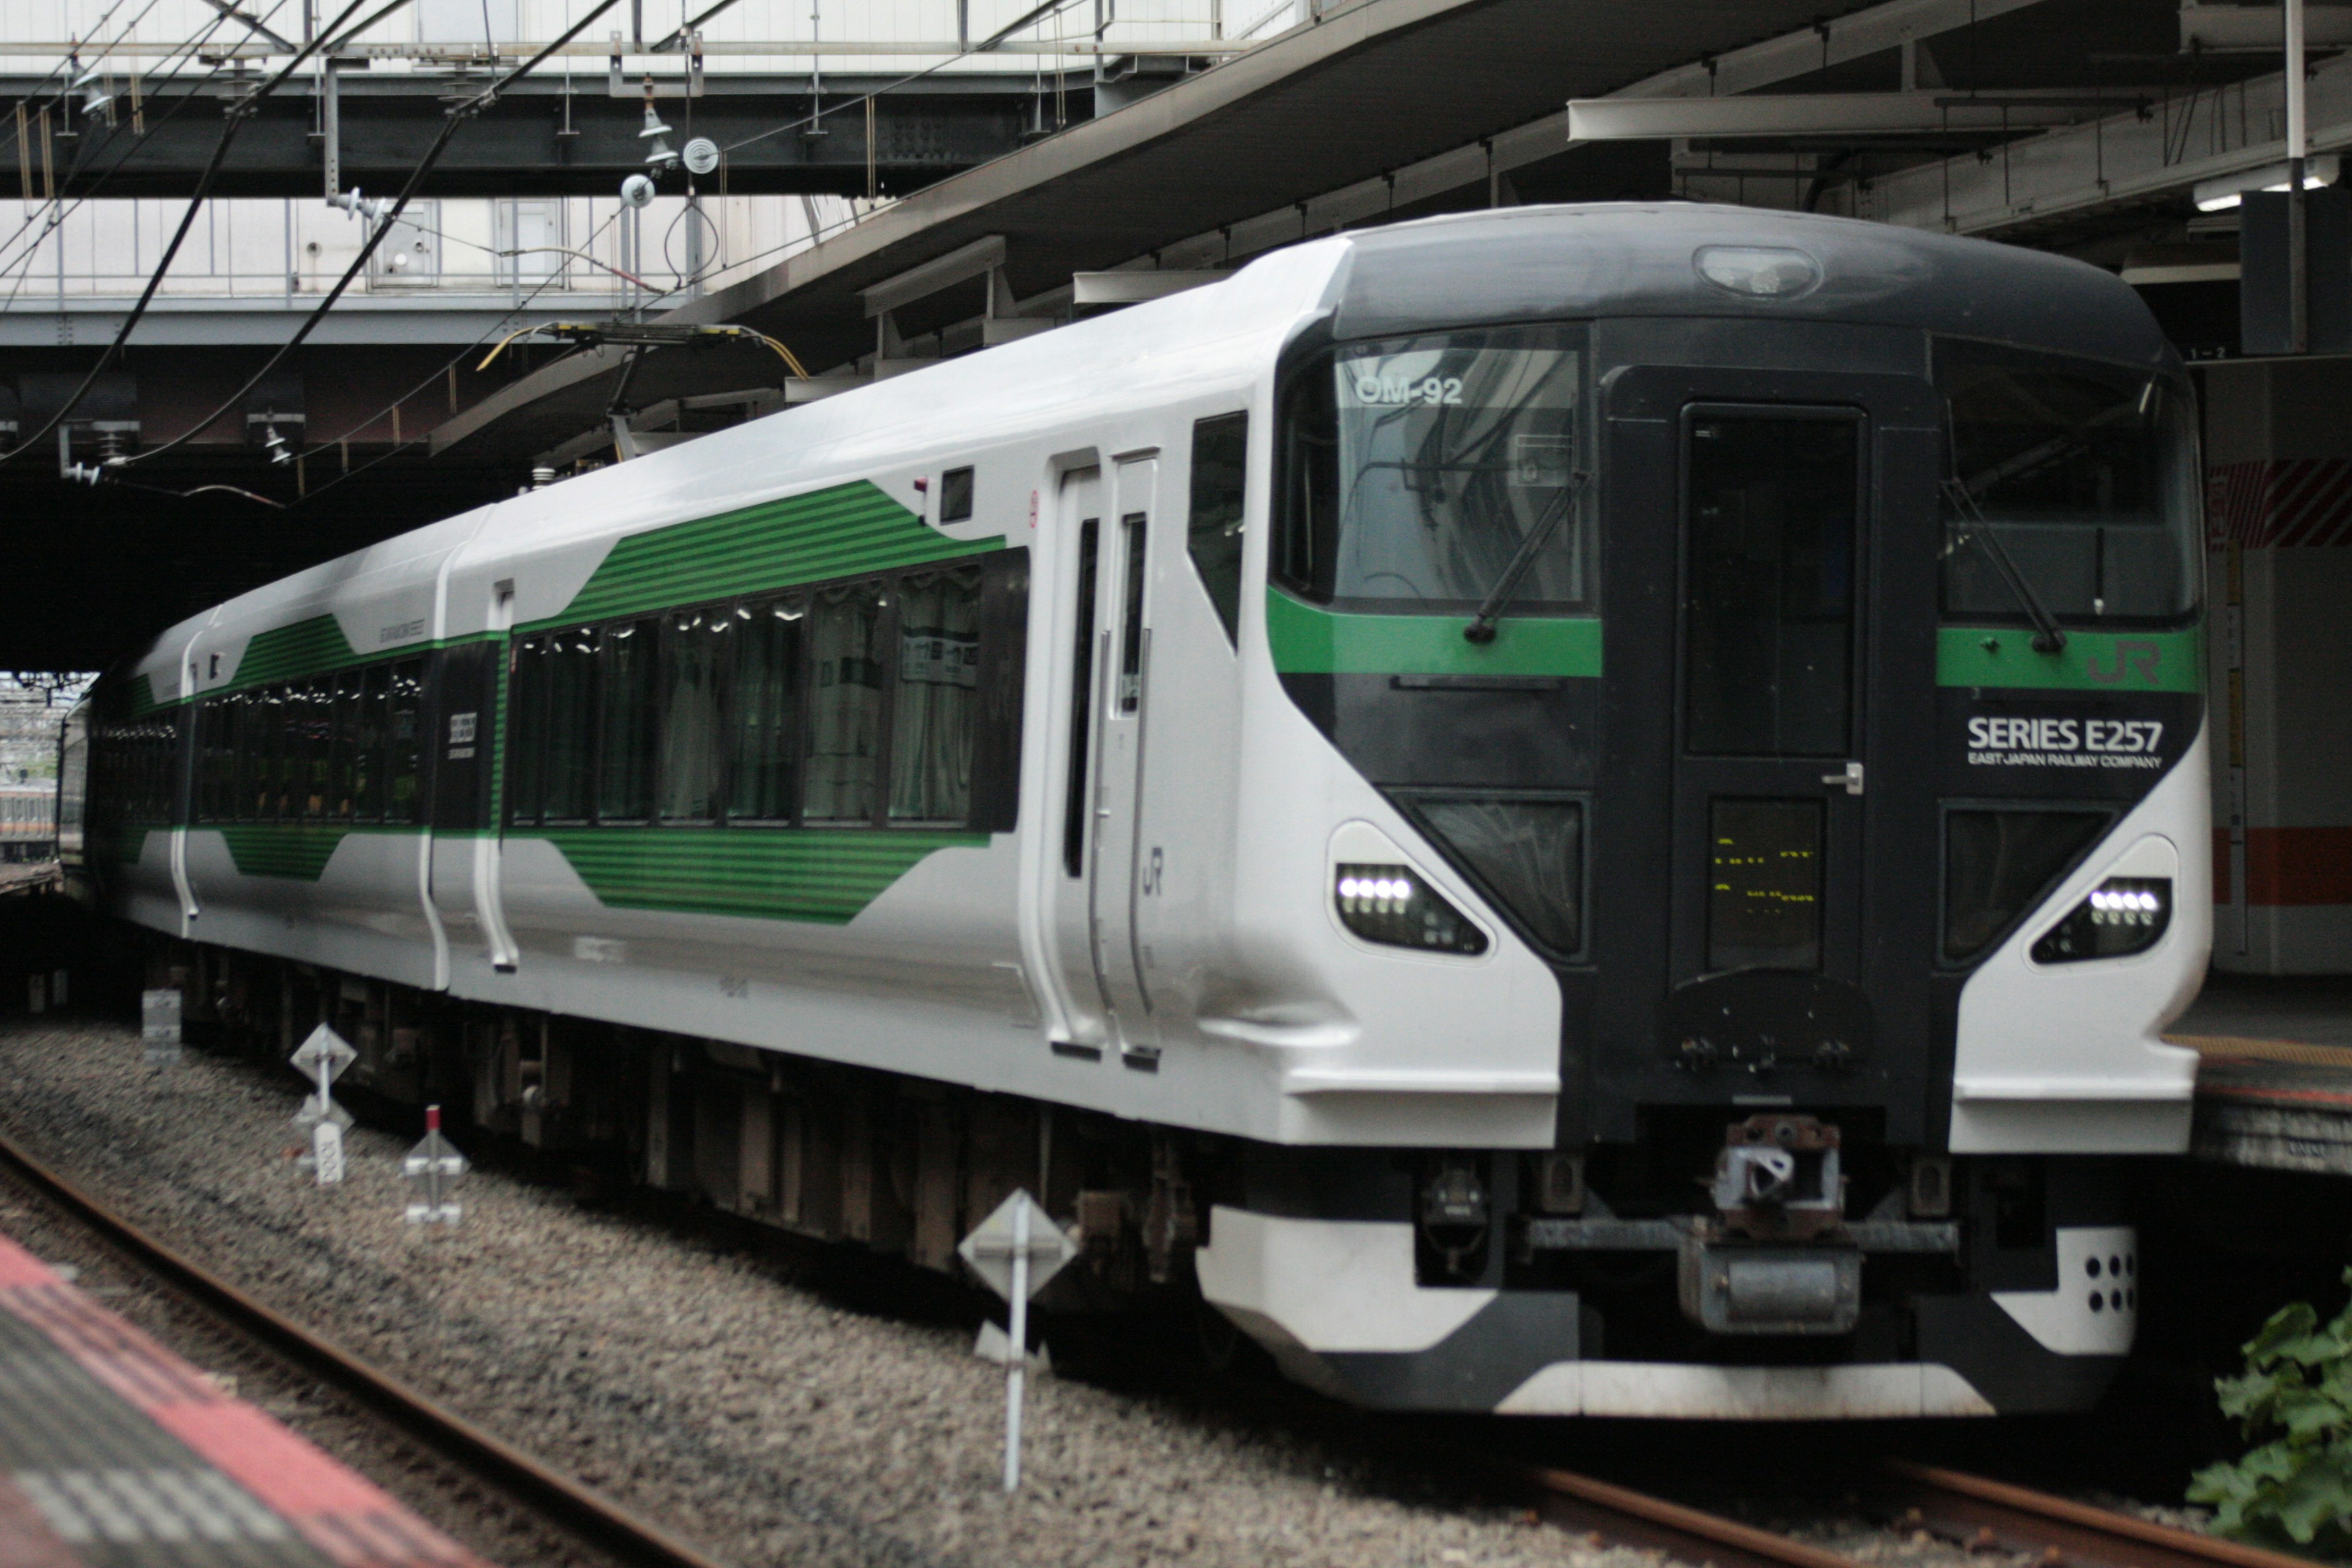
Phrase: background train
x=1562 y=810
x=28 y=821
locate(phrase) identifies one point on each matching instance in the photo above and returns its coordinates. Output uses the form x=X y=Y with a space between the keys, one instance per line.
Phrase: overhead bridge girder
x=540 y=140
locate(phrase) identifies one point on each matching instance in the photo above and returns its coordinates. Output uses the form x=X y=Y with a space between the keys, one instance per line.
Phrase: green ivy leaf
x=2294 y=1401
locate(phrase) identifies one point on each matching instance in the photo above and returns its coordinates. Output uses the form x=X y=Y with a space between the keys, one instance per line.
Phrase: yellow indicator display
x=1764 y=885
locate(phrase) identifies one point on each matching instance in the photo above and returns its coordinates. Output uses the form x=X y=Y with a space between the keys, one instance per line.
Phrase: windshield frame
x=2175 y=481
x=1309 y=372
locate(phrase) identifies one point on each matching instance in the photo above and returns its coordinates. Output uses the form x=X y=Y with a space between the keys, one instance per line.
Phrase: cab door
x=1766 y=852
x=1771 y=768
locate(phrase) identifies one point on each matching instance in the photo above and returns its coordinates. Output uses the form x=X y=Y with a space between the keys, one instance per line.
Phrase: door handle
x=1850 y=778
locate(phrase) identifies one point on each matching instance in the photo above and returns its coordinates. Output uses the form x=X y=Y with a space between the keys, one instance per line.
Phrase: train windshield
x=1417 y=467
x=2079 y=476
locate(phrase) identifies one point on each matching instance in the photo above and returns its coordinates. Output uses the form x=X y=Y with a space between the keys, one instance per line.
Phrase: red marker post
x=437 y=1166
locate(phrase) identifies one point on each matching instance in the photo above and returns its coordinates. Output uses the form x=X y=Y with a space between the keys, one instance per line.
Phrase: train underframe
x=1778 y=1265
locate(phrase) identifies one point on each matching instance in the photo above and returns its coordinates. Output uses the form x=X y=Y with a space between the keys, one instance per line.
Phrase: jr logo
x=2133 y=654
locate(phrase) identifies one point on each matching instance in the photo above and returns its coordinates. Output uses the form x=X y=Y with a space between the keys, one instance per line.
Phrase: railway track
x=570 y=1508
x=1971 y=1511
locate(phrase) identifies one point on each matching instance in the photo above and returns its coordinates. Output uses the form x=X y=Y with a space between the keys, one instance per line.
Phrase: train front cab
x=1867 y=838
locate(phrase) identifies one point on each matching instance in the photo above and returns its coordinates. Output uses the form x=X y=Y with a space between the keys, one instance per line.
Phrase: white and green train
x=1586 y=809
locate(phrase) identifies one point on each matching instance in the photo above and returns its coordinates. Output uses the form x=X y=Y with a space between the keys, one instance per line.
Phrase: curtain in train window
x=216 y=760
x=293 y=706
x=626 y=660
x=845 y=706
x=693 y=651
x=368 y=744
x=256 y=729
x=285 y=752
x=765 y=708
x=931 y=721
x=404 y=773
x=316 y=726
x=526 y=728
x=344 y=797
x=571 y=659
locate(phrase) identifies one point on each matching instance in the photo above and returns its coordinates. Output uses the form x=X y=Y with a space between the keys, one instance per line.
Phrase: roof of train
x=1627 y=258
x=1516 y=263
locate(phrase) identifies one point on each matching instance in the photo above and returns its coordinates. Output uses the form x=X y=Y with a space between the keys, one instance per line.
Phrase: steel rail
x=554 y=1496
x=1982 y=1513
x=1623 y=1517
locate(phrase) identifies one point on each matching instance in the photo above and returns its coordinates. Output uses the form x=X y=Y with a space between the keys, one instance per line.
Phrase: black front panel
x=1761 y=933
x=2087 y=745
x=1498 y=732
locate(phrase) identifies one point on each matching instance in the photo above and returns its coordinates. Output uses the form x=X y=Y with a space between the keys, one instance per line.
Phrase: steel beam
x=1134 y=286
x=961 y=265
x=2222 y=28
x=1804 y=114
x=539 y=139
x=2123 y=161
x=1764 y=63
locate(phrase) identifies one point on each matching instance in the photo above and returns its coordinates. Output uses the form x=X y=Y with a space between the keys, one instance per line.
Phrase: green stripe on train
x=1308 y=640
x=307 y=647
x=822 y=875
x=842 y=532
x=143 y=696
x=298 y=851
x=2003 y=656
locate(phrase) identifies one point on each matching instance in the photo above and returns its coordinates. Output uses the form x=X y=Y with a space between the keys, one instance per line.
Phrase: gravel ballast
x=732 y=1393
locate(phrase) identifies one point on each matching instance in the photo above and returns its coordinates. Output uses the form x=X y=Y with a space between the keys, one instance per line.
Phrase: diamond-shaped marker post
x=323 y=1057
x=1016 y=1250
x=436 y=1165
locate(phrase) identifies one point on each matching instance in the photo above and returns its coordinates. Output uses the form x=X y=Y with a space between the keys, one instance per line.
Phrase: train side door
x=1113 y=885
x=1086 y=1013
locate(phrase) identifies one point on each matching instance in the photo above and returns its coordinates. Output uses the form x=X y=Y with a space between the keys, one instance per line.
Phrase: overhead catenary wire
x=62 y=211
x=437 y=372
x=1035 y=14
x=237 y=114
x=456 y=117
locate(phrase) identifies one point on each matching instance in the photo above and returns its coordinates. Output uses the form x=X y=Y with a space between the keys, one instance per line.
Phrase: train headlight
x=1393 y=906
x=2122 y=915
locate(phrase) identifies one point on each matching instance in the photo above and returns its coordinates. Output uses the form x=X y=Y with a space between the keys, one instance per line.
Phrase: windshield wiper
x=1481 y=628
x=2047 y=636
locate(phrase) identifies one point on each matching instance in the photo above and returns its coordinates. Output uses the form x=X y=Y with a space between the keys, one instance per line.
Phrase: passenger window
x=845 y=706
x=318 y=731
x=766 y=709
x=932 y=719
x=526 y=729
x=955 y=496
x=1220 y=455
x=343 y=800
x=571 y=724
x=693 y=652
x=624 y=714
x=254 y=732
x=1130 y=648
x=368 y=748
x=404 y=771
x=216 y=736
x=1082 y=701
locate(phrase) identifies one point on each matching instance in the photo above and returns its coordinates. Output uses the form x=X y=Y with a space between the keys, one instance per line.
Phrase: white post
x=1017 y=1365
x=2297 y=139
